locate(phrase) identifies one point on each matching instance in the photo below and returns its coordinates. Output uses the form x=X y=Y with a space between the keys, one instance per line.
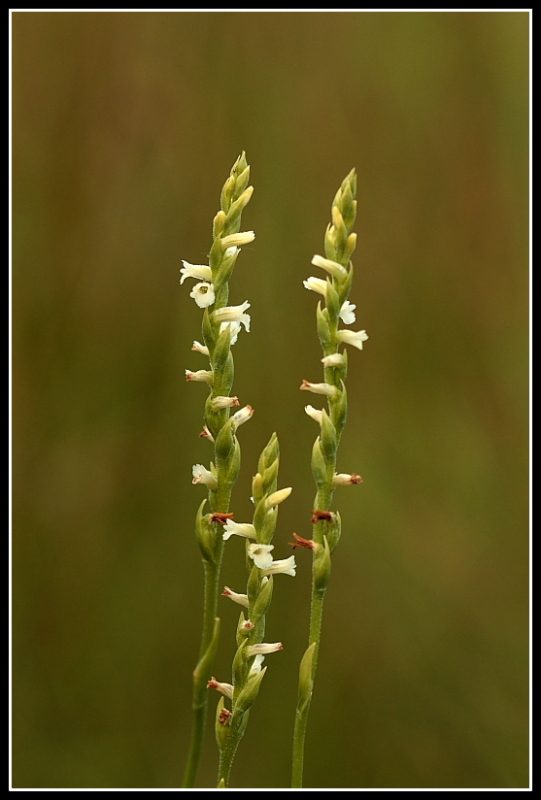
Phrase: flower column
x=335 y=288
x=220 y=329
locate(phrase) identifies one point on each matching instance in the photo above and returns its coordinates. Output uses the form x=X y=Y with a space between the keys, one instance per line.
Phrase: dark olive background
x=125 y=126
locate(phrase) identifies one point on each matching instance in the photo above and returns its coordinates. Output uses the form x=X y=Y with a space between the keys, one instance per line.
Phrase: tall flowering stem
x=335 y=288
x=220 y=329
x=247 y=670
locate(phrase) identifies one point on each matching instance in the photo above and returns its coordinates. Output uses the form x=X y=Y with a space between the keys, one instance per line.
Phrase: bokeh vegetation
x=125 y=126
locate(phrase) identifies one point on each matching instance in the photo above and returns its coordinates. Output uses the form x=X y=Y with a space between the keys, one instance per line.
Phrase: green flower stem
x=339 y=245
x=221 y=428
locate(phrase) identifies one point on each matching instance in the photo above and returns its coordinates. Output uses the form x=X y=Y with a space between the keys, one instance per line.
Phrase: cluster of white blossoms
x=203 y=292
x=354 y=338
x=347 y=311
x=229 y=317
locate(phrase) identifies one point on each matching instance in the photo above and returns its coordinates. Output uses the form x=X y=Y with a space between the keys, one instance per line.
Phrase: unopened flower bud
x=278 y=497
x=343 y=479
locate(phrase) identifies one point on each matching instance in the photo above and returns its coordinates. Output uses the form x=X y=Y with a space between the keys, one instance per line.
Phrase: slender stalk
x=220 y=329
x=339 y=245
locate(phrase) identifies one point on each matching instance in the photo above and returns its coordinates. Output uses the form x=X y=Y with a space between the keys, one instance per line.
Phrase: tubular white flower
x=263 y=649
x=334 y=360
x=355 y=338
x=224 y=688
x=206 y=434
x=285 y=565
x=199 y=271
x=256 y=666
x=261 y=554
x=202 y=375
x=223 y=402
x=245 y=529
x=316 y=285
x=234 y=327
x=242 y=416
x=200 y=348
x=315 y=413
x=237 y=239
x=202 y=475
x=320 y=388
x=347 y=313
x=241 y=599
x=203 y=294
x=332 y=267
x=233 y=314
x=278 y=497
x=344 y=479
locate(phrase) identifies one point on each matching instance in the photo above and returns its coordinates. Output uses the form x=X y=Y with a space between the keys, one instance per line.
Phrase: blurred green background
x=125 y=126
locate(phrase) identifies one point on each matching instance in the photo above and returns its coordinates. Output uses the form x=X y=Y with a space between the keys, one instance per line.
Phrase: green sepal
x=262 y=601
x=202 y=671
x=225 y=270
x=306 y=681
x=266 y=530
x=208 y=330
x=344 y=288
x=339 y=409
x=333 y=305
x=322 y=567
x=254 y=585
x=270 y=478
x=241 y=667
x=319 y=467
x=348 y=204
x=260 y=513
x=222 y=349
x=233 y=465
x=236 y=208
x=242 y=181
x=323 y=327
x=330 y=248
x=227 y=190
x=224 y=444
x=328 y=438
x=207 y=535
x=269 y=454
x=216 y=255
x=249 y=691
x=340 y=235
x=334 y=531
x=221 y=731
